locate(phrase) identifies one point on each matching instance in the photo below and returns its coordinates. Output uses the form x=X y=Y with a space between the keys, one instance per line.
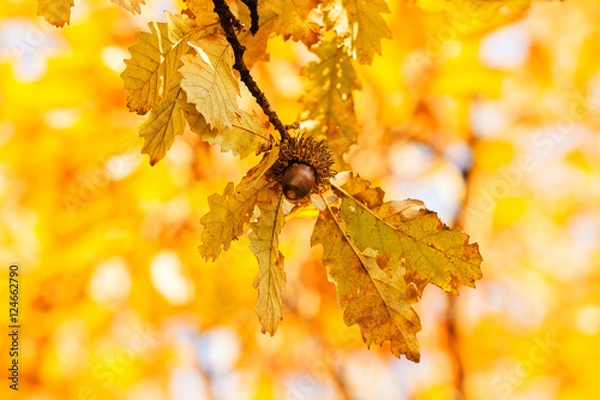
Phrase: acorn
x=303 y=167
x=298 y=181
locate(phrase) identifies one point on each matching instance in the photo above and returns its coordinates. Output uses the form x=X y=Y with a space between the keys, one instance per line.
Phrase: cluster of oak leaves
x=380 y=255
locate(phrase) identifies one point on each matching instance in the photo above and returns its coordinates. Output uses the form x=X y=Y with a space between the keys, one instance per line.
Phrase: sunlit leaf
x=56 y=12
x=406 y=235
x=209 y=81
x=296 y=19
x=164 y=122
x=328 y=99
x=264 y=243
x=132 y=6
x=359 y=25
x=378 y=303
x=202 y=10
x=247 y=133
x=230 y=211
x=152 y=69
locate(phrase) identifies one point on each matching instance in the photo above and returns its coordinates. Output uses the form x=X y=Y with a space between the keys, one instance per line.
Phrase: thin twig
x=229 y=23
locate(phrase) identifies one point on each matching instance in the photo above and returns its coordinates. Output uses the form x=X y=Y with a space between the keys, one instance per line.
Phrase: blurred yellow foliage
x=116 y=302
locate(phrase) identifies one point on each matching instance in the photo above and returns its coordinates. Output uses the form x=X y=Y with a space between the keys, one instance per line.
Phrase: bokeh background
x=490 y=115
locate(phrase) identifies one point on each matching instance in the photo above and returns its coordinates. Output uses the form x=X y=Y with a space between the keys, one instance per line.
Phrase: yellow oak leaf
x=407 y=235
x=155 y=59
x=328 y=110
x=264 y=243
x=378 y=303
x=300 y=20
x=359 y=25
x=133 y=6
x=209 y=82
x=202 y=10
x=164 y=122
x=247 y=133
x=381 y=256
x=230 y=211
x=56 y=12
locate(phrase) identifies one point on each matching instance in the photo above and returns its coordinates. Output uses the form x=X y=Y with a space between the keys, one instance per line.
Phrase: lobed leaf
x=359 y=25
x=300 y=20
x=328 y=99
x=55 y=12
x=202 y=10
x=381 y=256
x=164 y=122
x=152 y=70
x=378 y=303
x=417 y=241
x=133 y=6
x=209 y=81
x=230 y=211
x=247 y=133
x=264 y=243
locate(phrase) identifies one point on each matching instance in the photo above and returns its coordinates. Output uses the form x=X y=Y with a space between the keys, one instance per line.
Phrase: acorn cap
x=305 y=150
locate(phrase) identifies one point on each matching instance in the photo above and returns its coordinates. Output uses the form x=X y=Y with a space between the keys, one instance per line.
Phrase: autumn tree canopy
x=361 y=152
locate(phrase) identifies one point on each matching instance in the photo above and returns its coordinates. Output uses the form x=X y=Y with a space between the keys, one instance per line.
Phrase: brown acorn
x=298 y=181
x=303 y=167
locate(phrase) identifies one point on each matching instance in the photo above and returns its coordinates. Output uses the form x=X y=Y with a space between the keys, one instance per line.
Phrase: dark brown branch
x=229 y=23
x=253 y=7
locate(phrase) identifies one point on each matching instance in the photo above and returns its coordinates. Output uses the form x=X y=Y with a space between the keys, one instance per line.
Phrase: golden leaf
x=152 y=69
x=230 y=211
x=264 y=243
x=202 y=10
x=164 y=122
x=209 y=82
x=247 y=133
x=359 y=25
x=378 y=303
x=56 y=12
x=133 y=6
x=299 y=20
x=407 y=247
x=407 y=235
x=328 y=99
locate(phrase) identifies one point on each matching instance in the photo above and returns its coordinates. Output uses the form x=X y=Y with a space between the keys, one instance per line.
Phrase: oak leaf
x=163 y=123
x=300 y=20
x=56 y=12
x=247 y=133
x=155 y=59
x=133 y=6
x=378 y=303
x=406 y=234
x=233 y=209
x=359 y=25
x=408 y=247
x=328 y=99
x=209 y=82
x=264 y=243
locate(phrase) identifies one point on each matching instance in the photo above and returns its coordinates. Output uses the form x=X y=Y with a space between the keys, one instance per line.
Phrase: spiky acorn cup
x=303 y=167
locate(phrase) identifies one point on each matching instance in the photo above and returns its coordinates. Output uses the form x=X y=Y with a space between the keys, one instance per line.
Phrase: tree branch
x=229 y=23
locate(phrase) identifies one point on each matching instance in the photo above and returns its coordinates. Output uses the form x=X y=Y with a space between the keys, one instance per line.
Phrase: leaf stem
x=229 y=23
